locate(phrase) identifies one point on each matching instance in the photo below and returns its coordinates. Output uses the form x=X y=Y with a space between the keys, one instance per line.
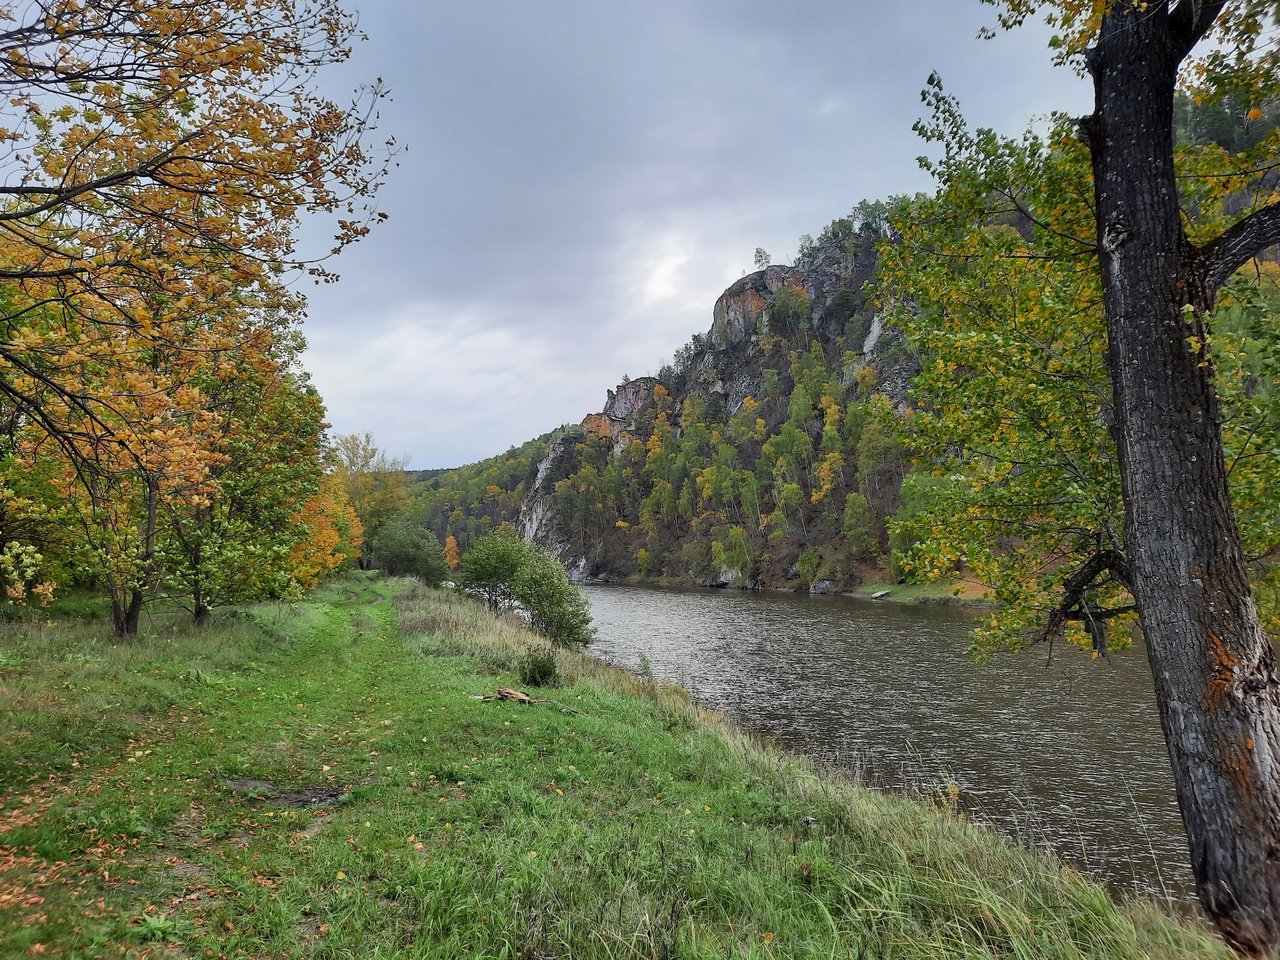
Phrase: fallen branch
x=506 y=693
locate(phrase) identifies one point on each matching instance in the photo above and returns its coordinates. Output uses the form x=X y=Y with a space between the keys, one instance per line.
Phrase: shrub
x=509 y=573
x=538 y=669
x=556 y=608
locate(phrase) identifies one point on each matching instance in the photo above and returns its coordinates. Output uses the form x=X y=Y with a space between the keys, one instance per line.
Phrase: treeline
x=468 y=502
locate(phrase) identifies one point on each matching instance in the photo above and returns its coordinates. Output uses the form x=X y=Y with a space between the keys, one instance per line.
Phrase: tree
x=408 y=549
x=508 y=573
x=762 y=258
x=157 y=158
x=330 y=538
x=489 y=568
x=1013 y=399
x=1161 y=266
x=375 y=483
x=234 y=543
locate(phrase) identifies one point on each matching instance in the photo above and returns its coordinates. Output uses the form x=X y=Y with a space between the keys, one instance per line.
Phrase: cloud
x=583 y=179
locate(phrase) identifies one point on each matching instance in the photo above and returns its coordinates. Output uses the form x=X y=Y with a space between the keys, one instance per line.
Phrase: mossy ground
x=154 y=802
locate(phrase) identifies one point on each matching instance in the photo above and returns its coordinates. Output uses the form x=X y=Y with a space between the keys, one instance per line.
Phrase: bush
x=809 y=564
x=507 y=572
x=556 y=608
x=538 y=669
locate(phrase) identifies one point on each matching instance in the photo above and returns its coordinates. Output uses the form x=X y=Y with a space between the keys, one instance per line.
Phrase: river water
x=1064 y=753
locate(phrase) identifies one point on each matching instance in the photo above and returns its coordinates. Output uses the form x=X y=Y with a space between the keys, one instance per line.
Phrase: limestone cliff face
x=833 y=281
x=536 y=521
x=631 y=398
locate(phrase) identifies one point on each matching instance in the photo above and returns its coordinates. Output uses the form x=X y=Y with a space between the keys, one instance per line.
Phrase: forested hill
x=756 y=456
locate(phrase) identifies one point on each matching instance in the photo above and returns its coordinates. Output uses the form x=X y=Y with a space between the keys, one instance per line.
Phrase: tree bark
x=1213 y=664
x=125 y=616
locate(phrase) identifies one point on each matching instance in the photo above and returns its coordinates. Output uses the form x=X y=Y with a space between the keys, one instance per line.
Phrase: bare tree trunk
x=1214 y=667
x=126 y=612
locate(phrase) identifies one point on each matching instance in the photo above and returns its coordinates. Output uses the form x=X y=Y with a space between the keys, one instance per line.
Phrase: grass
x=153 y=804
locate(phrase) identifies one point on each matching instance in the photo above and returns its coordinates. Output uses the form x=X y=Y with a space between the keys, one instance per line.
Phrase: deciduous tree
x=331 y=534
x=508 y=573
x=375 y=483
x=408 y=549
x=234 y=543
x=156 y=158
x=1160 y=268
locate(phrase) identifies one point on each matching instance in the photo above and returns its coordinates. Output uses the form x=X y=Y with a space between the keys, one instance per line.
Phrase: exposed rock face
x=741 y=309
x=631 y=398
x=536 y=522
x=830 y=269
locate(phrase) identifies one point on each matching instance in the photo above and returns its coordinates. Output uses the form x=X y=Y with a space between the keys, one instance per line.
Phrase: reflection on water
x=1067 y=753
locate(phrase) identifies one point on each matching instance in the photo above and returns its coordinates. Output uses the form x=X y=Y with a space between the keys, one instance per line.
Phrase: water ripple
x=1067 y=754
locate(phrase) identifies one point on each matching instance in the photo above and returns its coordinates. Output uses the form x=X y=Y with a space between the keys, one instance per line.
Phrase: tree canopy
x=155 y=161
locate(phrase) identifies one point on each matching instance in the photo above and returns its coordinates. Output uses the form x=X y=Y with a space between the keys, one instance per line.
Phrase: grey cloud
x=559 y=149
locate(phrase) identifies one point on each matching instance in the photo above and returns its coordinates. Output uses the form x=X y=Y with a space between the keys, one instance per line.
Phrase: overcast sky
x=583 y=178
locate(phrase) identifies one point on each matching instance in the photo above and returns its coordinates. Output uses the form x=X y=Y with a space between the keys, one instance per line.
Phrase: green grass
x=142 y=812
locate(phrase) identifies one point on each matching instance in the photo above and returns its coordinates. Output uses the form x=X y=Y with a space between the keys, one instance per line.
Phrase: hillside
x=759 y=456
x=328 y=780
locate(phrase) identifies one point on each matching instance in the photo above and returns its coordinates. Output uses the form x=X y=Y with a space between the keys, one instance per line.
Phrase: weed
x=152 y=927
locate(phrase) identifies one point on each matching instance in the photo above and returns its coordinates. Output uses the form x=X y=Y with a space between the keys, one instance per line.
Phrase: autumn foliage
x=156 y=161
x=331 y=534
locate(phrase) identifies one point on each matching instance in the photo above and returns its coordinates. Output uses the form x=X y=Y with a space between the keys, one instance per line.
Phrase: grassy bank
x=315 y=782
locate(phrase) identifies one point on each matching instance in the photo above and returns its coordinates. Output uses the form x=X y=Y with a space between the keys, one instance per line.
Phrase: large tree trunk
x=1213 y=664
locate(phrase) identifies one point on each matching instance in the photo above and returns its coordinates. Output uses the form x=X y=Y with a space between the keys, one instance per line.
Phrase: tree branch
x=1099 y=613
x=1238 y=244
x=1075 y=589
x=1189 y=21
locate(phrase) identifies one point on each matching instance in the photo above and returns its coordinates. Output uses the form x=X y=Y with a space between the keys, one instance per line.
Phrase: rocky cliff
x=655 y=459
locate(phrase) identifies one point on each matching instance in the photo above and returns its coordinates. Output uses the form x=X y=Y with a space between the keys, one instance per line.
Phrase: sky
x=579 y=180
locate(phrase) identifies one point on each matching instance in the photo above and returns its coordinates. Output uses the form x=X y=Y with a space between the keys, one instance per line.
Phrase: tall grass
x=154 y=802
x=815 y=863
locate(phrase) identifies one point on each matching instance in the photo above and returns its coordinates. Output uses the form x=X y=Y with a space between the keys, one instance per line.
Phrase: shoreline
x=928 y=594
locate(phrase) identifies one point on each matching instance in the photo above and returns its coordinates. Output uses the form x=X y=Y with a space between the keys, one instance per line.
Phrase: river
x=1064 y=753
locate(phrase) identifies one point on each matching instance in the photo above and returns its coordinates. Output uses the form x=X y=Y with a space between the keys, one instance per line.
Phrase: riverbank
x=955 y=594
x=958 y=594
x=321 y=781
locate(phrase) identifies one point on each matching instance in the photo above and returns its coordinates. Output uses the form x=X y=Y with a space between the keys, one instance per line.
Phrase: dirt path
x=366 y=585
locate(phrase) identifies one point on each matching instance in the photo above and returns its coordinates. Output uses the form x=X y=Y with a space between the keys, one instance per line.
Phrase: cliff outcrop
x=742 y=454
